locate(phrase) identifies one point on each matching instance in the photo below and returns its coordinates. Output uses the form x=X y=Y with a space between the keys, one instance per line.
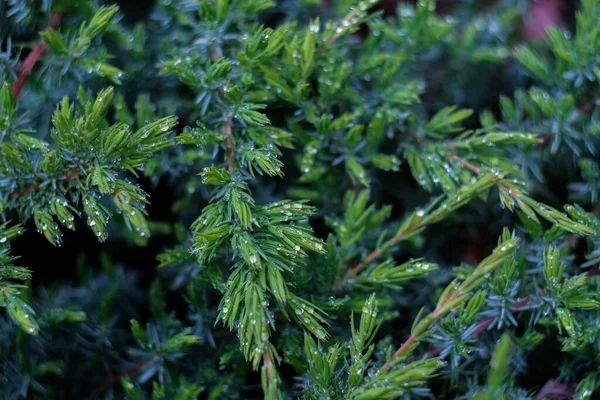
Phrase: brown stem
x=472 y=167
x=436 y=314
x=216 y=53
x=226 y=130
x=326 y=45
x=370 y=258
x=267 y=362
x=405 y=346
x=269 y=371
x=571 y=240
x=596 y=210
x=72 y=174
x=374 y=255
x=32 y=59
x=17 y=89
x=475 y=169
x=377 y=252
x=481 y=325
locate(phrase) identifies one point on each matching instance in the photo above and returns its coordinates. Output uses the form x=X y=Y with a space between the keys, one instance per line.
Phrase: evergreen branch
x=415 y=223
x=402 y=350
x=32 y=58
x=350 y=23
x=226 y=130
x=375 y=254
x=270 y=378
x=454 y=295
x=216 y=54
x=472 y=167
x=431 y=318
x=531 y=207
x=71 y=175
x=265 y=240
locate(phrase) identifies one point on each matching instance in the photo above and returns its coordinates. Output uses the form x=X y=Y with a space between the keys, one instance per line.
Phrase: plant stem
x=17 y=89
x=270 y=377
x=32 y=58
x=470 y=166
x=216 y=54
x=432 y=317
x=405 y=346
x=475 y=169
x=72 y=174
x=226 y=130
x=377 y=252
x=401 y=235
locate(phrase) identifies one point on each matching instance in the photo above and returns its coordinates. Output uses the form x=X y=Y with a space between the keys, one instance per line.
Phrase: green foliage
x=78 y=51
x=85 y=162
x=329 y=182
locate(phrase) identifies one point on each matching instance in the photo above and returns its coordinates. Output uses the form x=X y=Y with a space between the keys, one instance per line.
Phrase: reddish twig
x=374 y=255
x=434 y=316
x=370 y=258
x=482 y=325
x=267 y=363
x=470 y=166
x=17 y=89
x=400 y=352
x=32 y=187
x=337 y=33
x=226 y=131
x=216 y=54
x=433 y=352
x=32 y=58
x=377 y=252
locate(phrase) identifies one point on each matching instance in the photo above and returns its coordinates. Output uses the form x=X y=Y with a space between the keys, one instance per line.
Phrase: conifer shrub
x=244 y=199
